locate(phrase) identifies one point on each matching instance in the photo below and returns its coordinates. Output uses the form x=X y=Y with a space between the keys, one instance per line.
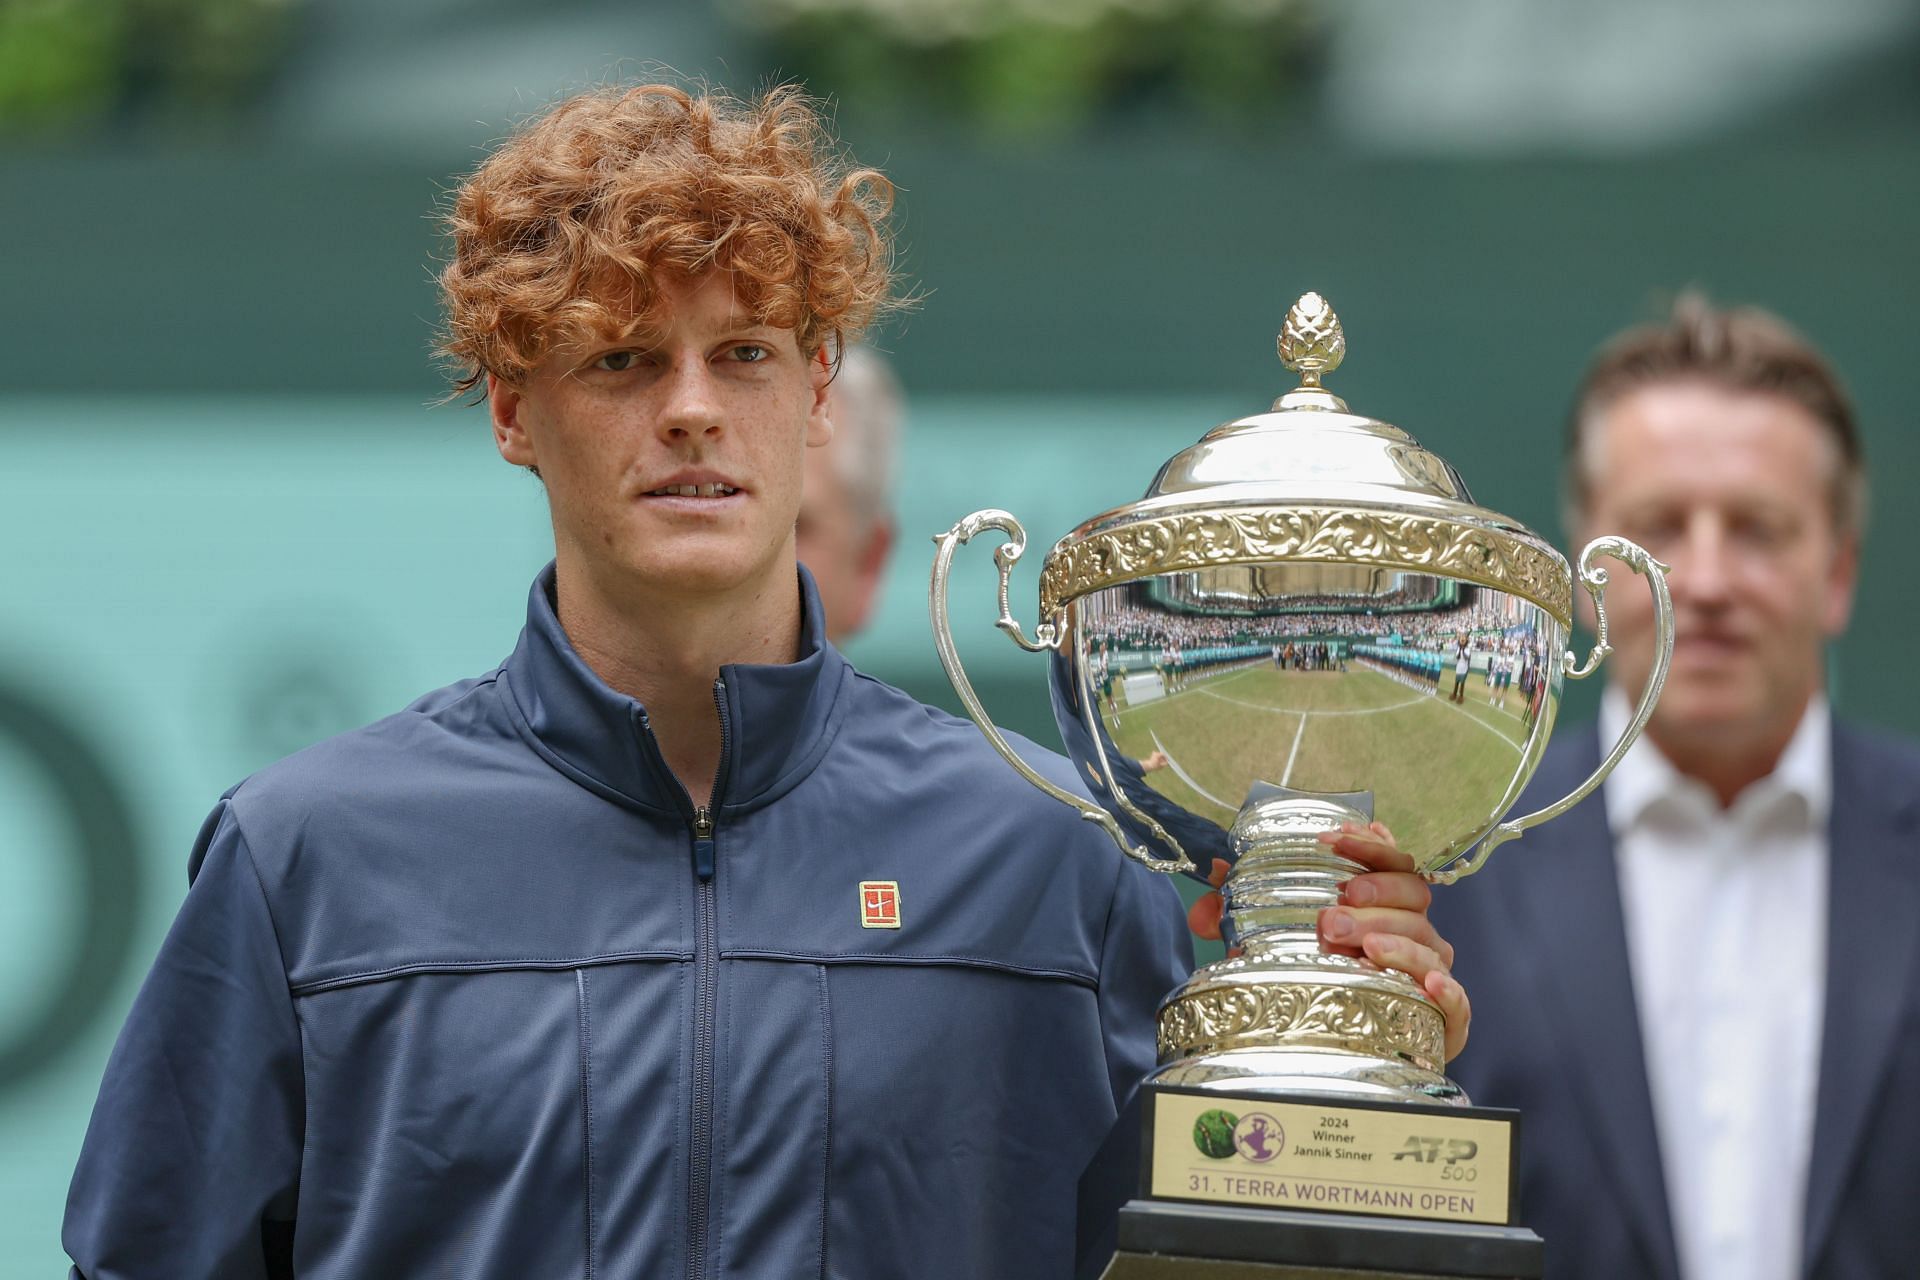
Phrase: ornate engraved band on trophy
x=1308 y=621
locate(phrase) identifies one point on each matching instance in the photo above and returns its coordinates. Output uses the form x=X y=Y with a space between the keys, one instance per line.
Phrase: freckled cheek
x=781 y=506
x=590 y=485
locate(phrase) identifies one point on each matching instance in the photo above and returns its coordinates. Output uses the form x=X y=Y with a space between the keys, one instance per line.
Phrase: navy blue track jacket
x=476 y=991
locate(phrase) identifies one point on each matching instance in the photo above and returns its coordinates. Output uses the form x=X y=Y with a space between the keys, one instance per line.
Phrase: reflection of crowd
x=1313 y=656
x=1144 y=628
x=1418 y=648
x=1416 y=668
x=1176 y=636
x=1420 y=596
x=1177 y=667
x=1505 y=660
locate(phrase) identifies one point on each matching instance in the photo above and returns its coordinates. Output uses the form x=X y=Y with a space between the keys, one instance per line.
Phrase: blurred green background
x=235 y=519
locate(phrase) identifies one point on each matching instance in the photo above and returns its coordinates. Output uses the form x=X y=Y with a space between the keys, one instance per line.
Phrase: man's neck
x=667 y=653
x=1726 y=764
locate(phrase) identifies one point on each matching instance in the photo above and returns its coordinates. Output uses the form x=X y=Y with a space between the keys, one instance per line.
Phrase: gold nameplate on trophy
x=1453 y=1165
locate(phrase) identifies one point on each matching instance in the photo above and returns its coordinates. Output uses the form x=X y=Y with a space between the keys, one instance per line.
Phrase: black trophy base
x=1162 y=1240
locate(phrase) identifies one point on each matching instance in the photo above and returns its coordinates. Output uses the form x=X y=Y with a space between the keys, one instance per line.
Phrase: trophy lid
x=1308 y=480
x=1310 y=442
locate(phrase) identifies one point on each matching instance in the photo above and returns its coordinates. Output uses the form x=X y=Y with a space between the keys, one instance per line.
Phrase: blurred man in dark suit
x=1719 y=1091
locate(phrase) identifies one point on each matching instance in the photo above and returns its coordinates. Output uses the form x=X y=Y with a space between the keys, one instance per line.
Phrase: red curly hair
x=561 y=236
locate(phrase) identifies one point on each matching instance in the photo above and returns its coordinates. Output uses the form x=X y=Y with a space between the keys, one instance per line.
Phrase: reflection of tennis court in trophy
x=1354 y=730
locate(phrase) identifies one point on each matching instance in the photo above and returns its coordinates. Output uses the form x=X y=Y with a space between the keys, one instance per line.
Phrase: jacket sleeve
x=192 y=1157
x=1147 y=953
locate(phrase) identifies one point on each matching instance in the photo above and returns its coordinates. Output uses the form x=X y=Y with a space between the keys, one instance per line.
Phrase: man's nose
x=691 y=407
x=1702 y=570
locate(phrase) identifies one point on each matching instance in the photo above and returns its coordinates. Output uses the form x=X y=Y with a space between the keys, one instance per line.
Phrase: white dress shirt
x=1726 y=918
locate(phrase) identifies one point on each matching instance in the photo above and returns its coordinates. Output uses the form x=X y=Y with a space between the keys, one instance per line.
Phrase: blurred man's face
x=673 y=464
x=1734 y=491
x=845 y=549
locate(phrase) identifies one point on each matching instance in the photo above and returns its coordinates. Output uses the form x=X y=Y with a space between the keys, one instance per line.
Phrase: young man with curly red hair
x=674 y=946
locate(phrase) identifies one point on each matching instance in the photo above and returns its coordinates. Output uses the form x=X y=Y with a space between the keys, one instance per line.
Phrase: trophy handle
x=1594 y=579
x=1045 y=639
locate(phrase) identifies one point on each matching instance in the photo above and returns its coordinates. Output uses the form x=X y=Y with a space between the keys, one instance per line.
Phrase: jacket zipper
x=706 y=998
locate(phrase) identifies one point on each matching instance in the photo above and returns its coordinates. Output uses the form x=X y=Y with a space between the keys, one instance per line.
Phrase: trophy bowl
x=1306 y=621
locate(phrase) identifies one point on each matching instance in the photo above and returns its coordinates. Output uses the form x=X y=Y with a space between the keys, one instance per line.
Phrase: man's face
x=1733 y=490
x=672 y=463
x=843 y=547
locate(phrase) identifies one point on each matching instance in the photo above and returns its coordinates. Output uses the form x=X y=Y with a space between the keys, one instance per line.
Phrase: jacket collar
x=779 y=717
x=1646 y=779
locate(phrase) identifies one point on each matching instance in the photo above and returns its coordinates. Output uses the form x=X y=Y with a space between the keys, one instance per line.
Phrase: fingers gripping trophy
x=1307 y=622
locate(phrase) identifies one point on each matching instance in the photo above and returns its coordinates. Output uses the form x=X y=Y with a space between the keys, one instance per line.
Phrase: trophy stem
x=1281 y=1015
x=1284 y=875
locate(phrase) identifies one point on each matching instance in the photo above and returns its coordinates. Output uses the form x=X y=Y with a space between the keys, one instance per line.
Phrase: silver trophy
x=1306 y=621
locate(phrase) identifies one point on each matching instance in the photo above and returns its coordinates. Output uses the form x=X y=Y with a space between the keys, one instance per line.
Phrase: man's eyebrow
x=1767 y=505
x=1641 y=506
x=617 y=340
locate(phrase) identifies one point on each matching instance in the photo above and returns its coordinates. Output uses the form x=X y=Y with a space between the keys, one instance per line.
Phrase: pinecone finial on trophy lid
x=1311 y=344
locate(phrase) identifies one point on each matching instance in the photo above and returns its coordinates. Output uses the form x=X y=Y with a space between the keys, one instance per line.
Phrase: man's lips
x=1709 y=646
x=710 y=489
x=678 y=506
x=693 y=487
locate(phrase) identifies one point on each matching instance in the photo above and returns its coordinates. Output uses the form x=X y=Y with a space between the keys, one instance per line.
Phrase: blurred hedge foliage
x=1043 y=67
x=68 y=63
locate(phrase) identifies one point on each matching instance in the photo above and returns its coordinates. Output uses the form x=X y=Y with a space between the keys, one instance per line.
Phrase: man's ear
x=820 y=416
x=878 y=544
x=870 y=563
x=1841 y=579
x=505 y=404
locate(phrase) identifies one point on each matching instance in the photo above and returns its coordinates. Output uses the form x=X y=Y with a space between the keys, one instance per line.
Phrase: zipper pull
x=703 y=842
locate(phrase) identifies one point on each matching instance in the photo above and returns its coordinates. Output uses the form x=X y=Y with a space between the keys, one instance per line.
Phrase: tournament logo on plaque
x=1258 y=1137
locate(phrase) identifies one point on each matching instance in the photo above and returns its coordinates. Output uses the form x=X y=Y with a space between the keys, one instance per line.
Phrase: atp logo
x=1450 y=1151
